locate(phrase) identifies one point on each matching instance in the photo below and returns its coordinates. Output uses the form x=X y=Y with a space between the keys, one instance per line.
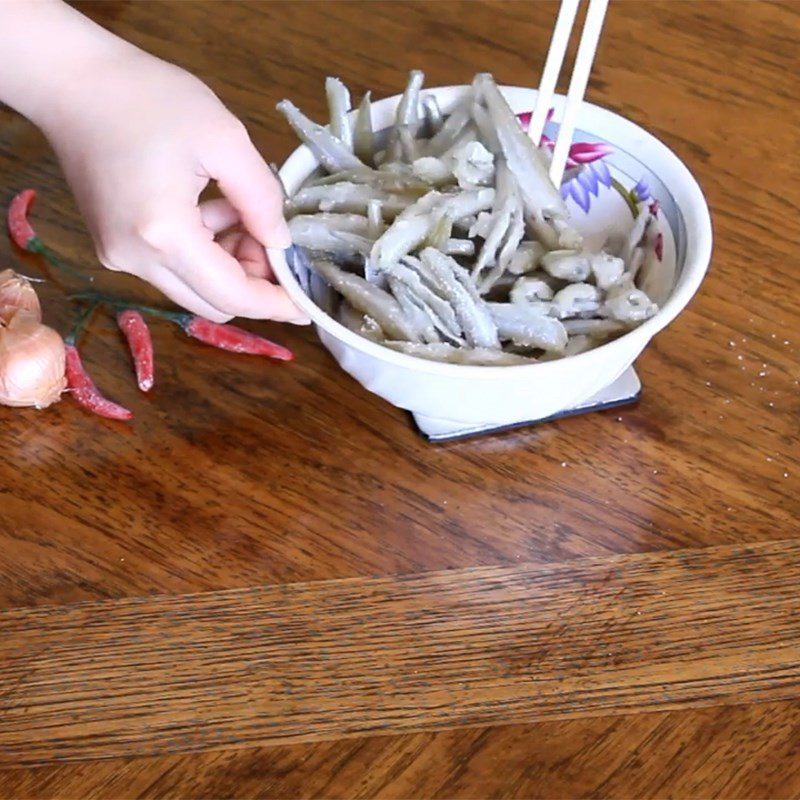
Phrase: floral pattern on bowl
x=593 y=185
x=586 y=172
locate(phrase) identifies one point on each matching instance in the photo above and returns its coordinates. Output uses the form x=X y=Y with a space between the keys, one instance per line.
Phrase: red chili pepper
x=24 y=236
x=140 y=343
x=83 y=389
x=229 y=337
x=20 y=229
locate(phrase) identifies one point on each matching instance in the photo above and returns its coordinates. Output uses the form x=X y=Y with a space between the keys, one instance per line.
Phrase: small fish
x=364 y=137
x=524 y=158
x=451 y=243
x=474 y=356
x=471 y=311
x=339 y=108
x=333 y=154
x=369 y=299
x=526 y=327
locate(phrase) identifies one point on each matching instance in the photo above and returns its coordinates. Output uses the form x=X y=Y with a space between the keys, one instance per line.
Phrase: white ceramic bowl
x=501 y=395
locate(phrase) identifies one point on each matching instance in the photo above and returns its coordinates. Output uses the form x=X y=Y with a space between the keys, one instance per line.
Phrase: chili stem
x=80 y=323
x=106 y=299
x=37 y=246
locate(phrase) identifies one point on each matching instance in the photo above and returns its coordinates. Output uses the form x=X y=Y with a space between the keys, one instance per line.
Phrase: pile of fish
x=444 y=237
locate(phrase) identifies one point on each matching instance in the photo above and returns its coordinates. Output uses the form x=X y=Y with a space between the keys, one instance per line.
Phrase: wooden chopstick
x=584 y=59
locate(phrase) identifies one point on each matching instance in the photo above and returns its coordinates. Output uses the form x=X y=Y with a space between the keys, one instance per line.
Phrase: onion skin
x=32 y=362
x=16 y=293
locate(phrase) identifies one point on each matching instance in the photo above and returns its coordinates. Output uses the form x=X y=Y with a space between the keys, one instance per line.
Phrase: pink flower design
x=525 y=119
x=579 y=152
x=586 y=171
x=586 y=152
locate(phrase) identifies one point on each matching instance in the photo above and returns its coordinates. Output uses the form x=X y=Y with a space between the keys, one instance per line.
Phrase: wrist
x=47 y=52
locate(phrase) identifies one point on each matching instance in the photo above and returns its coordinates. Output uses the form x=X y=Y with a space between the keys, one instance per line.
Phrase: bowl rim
x=697 y=261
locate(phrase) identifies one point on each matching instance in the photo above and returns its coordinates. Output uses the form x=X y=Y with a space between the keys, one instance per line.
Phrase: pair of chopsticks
x=587 y=47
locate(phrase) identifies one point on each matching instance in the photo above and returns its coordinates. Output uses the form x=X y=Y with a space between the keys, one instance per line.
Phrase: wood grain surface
x=464 y=647
x=268 y=552
x=726 y=751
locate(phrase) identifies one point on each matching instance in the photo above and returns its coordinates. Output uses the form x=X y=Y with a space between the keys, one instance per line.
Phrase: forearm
x=138 y=140
x=45 y=48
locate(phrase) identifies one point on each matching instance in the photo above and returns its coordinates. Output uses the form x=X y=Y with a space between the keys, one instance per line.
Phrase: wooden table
x=268 y=585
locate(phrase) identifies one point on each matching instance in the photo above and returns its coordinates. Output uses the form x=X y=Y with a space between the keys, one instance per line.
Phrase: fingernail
x=282 y=240
x=285 y=235
x=301 y=320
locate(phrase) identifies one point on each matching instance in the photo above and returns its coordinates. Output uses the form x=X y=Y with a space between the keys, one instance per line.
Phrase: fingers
x=176 y=290
x=214 y=280
x=249 y=253
x=249 y=184
x=231 y=241
x=218 y=215
x=217 y=277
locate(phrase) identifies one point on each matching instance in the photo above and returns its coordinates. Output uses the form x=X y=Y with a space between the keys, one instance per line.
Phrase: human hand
x=139 y=139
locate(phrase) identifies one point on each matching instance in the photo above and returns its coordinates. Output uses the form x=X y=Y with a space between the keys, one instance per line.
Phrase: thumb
x=245 y=179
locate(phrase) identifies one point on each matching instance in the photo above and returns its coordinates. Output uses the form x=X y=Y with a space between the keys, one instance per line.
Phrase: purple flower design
x=601 y=170
x=641 y=191
x=589 y=180
x=578 y=192
x=585 y=182
x=585 y=170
